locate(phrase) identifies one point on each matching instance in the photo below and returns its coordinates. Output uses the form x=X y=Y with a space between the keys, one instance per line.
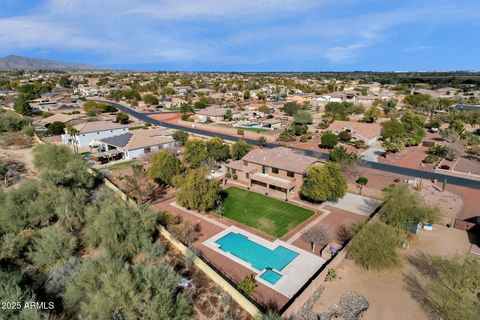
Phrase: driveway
x=355 y=203
x=372 y=154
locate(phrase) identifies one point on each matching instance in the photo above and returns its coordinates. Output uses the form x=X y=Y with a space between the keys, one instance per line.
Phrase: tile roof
x=95 y=126
x=281 y=158
x=367 y=130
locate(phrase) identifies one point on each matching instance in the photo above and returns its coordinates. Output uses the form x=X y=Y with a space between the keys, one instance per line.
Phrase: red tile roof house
x=214 y=114
x=280 y=169
x=368 y=132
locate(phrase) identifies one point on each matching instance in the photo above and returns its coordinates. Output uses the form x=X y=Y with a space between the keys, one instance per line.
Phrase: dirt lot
x=22 y=155
x=386 y=291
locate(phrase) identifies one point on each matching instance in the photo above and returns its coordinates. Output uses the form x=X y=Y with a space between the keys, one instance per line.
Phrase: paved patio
x=294 y=275
x=355 y=203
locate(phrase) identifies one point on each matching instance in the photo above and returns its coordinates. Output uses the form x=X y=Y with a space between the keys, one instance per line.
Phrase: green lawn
x=257 y=130
x=274 y=217
x=121 y=165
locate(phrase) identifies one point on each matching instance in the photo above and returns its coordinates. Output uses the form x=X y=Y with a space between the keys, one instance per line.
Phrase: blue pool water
x=251 y=125
x=257 y=255
x=271 y=276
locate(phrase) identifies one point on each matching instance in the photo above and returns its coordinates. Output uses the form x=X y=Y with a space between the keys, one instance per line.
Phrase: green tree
x=51 y=246
x=74 y=133
x=287 y=135
x=324 y=182
x=374 y=246
x=120 y=228
x=56 y=128
x=392 y=129
x=449 y=288
x=163 y=167
x=186 y=108
x=303 y=117
x=328 y=140
x=345 y=136
x=403 y=207
x=200 y=104
x=195 y=152
x=340 y=154
x=372 y=114
x=150 y=99
x=290 y=108
x=122 y=117
x=22 y=104
x=228 y=116
x=217 y=149
x=246 y=95
x=107 y=288
x=180 y=136
x=262 y=141
x=196 y=191
x=239 y=149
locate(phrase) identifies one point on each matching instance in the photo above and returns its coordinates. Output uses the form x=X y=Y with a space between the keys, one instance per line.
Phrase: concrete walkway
x=372 y=154
x=355 y=203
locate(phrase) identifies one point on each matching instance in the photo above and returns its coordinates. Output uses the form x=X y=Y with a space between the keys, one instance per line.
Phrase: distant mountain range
x=13 y=62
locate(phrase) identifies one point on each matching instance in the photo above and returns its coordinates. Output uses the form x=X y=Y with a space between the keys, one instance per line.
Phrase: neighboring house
x=271 y=123
x=95 y=130
x=213 y=114
x=368 y=132
x=466 y=107
x=281 y=169
x=66 y=119
x=136 y=144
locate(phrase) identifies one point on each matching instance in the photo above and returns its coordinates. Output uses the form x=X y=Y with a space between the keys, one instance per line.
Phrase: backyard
x=263 y=213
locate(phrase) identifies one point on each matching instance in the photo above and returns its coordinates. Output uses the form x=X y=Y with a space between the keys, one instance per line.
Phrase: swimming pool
x=258 y=256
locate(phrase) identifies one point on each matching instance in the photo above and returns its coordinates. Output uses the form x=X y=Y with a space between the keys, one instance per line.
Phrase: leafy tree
x=217 y=149
x=248 y=285
x=51 y=246
x=196 y=191
x=56 y=128
x=228 y=116
x=106 y=288
x=392 y=129
x=10 y=121
x=345 y=136
x=180 y=136
x=61 y=275
x=303 y=117
x=120 y=228
x=163 y=167
x=74 y=133
x=374 y=246
x=65 y=81
x=362 y=181
x=299 y=129
x=316 y=236
x=200 y=104
x=264 y=109
x=195 y=152
x=340 y=154
x=22 y=104
x=402 y=208
x=186 y=108
x=150 y=99
x=262 y=141
x=372 y=114
x=416 y=100
x=13 y=245
x=450 y=288
x=328 y=140
x=290 y=108
x=122 y=117
x=246 y=95
x=324 y=182
x=239 y=149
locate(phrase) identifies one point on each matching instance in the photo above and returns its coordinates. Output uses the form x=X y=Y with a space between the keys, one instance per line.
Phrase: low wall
x=239 y=298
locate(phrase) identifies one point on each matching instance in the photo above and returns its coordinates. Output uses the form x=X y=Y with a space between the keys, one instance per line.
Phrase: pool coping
x=294 y=275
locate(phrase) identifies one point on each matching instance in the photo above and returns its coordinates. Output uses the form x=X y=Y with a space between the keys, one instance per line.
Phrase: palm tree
x=73 y=133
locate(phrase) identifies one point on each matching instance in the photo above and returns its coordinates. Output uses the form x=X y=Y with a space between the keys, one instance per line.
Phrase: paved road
x=464 y=182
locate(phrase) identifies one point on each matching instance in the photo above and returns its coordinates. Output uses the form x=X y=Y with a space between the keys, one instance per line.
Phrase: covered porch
x=274 y=186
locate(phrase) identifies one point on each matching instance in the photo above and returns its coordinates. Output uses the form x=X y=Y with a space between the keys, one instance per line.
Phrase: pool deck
x=294 y=275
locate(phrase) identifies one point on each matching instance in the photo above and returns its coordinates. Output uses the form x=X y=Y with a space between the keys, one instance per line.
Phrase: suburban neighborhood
x=239 y=160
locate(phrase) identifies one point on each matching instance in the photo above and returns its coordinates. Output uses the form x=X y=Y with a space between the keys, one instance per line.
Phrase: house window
x=275 y=170
x=234 y=171
x=290 y=174
x=147 y=150
x=245 y=163
x=264 y=169
x=248 y=175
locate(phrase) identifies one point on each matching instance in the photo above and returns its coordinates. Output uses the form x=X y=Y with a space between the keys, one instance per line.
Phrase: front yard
x=266 y=214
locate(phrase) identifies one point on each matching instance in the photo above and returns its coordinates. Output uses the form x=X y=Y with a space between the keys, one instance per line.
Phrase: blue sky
x=247 y=35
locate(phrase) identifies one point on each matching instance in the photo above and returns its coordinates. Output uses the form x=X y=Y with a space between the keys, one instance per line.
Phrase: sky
x=247 y=35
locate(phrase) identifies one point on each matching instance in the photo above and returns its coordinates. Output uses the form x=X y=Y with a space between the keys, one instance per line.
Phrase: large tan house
x=280 y=169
